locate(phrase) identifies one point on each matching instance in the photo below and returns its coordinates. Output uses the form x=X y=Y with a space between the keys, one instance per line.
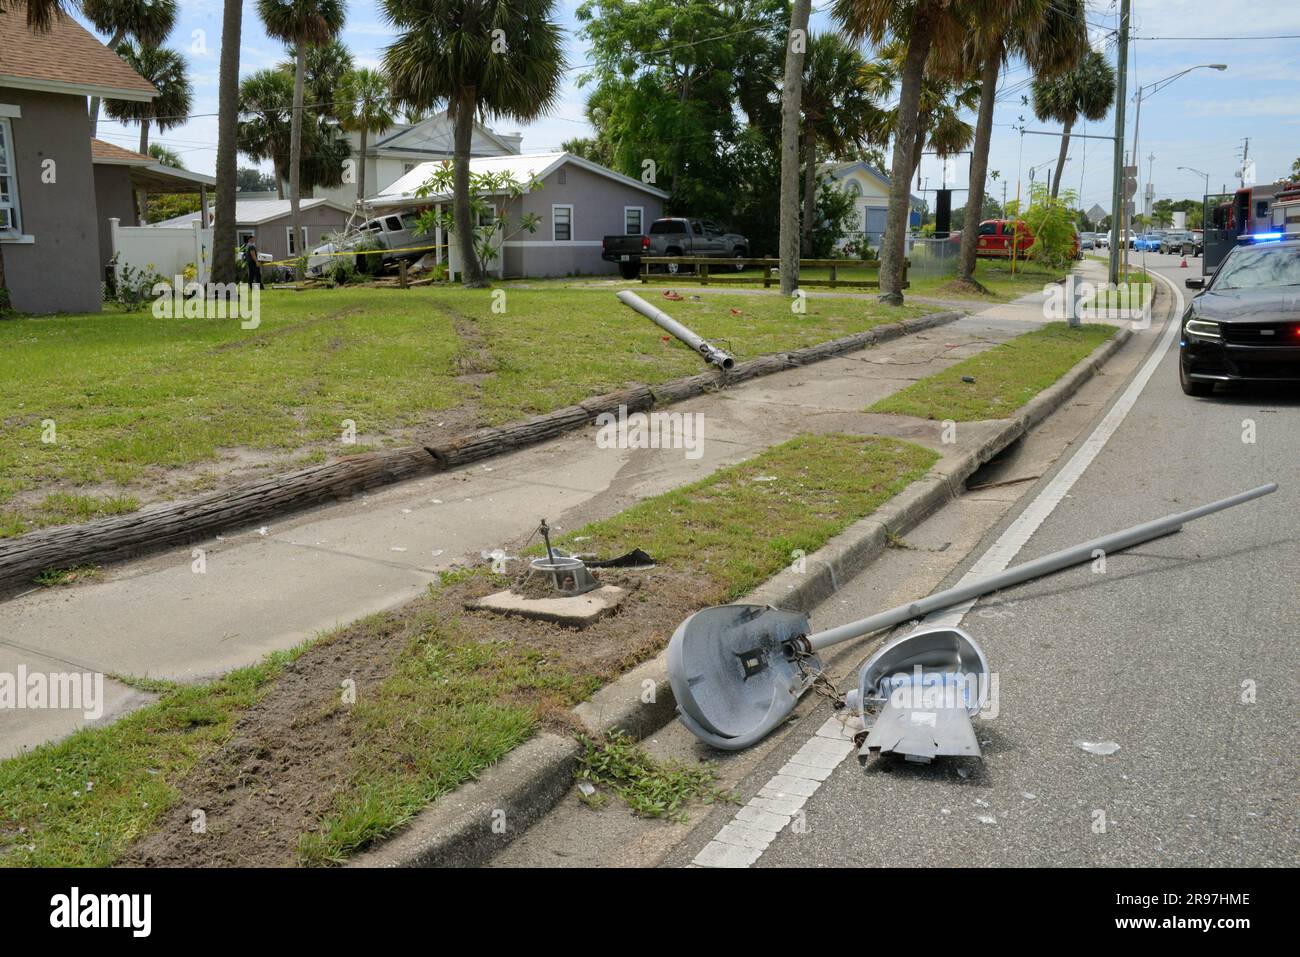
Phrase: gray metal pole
x=667 y=323
x=1022 y=573
x=1137 y=166
x=1117 y=195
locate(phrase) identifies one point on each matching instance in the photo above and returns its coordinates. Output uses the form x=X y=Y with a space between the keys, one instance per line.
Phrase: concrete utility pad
x=575 y=610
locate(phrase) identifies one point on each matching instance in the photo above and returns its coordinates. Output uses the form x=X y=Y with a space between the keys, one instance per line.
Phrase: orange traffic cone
x=1183 y=264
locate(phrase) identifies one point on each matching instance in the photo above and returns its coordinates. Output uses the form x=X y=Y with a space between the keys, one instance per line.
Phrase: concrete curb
x=641 y=702
x=466 y=827
x=170 y=524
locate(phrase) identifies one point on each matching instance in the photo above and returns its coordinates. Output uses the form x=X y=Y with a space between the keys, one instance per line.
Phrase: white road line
x=742 y=842
x=1009 y=544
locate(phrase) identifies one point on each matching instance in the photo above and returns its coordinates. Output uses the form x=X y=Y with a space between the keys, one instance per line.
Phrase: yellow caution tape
x=355 y=252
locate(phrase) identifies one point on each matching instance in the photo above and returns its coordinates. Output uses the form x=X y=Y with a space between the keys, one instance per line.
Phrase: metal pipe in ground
x=711 y=353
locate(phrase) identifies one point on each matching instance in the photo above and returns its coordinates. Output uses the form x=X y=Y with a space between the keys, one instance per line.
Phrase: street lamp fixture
x=1205 y=201
x=1149 y=90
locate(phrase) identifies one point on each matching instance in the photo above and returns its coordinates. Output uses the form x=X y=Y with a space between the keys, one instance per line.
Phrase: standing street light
x=1205 y=197
x=1149 y=90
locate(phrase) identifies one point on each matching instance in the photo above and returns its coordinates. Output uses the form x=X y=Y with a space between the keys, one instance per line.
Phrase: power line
x=1274 y=36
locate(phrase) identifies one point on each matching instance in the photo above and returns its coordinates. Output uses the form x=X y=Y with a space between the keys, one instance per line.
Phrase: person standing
x=254 y=267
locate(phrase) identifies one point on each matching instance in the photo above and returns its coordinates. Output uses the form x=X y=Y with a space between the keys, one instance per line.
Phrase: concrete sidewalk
x=270 y=588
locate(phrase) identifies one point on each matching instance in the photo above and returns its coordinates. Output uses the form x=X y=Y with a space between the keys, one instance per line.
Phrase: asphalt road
x=1182 y=652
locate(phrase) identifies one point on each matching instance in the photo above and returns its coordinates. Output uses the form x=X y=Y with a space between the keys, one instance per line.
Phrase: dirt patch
x=965 y=287
x=291 y=753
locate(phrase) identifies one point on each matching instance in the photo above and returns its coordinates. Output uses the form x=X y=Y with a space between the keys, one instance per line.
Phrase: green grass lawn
x=142 y=408
x=452 y=705
x=1005 y=377
x=732 y=530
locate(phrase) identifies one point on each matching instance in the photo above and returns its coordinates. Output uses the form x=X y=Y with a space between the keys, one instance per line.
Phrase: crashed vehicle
x=398 y=234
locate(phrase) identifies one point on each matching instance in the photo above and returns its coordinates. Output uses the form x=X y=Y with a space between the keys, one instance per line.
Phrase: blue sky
x=1199 y=121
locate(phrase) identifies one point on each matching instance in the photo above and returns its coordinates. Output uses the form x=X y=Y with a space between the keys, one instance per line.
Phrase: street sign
x=1130 y=181
x=1096 y=214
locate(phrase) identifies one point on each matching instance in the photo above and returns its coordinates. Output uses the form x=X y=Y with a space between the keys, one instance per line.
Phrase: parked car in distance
x=1174 y=240
x=392 y=231
x=1198 y=242
x=995 y=238
x=674 y=236
x=1149 y=242
x=1087 y=240
x=1101 y=240
x=1243 y=326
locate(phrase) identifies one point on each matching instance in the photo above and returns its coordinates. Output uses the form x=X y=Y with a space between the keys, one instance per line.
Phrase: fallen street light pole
x=711 y=353
x=738 y=671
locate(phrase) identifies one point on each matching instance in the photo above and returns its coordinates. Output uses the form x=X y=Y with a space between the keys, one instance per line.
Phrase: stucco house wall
x=598 y=204
x=115 y=199
x=54 y=265
x=273 y=236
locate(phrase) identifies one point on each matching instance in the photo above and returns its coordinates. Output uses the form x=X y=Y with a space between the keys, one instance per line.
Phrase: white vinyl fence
x=165 y=250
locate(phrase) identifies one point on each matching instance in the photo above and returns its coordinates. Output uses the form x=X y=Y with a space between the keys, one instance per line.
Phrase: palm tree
x=41 y=14
x=165 y=156
x=149 y=22
x=326 y=67
x=791 y=94
x=266 y=120
x=165 y=69
x=837 y=110
x=364 y=105
x=1088 y=91
x=1051 y=35
x=942 y=101
x=265 y=132
x=300 y=24
x=223 y=232
x=497 y=57
x=922 y=25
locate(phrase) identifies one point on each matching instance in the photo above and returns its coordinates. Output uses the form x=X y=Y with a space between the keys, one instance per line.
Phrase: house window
x=10 y=220
x=244 y=236
x=633 y=217
x=562 y=223
x=288 y=238
x=561 y=177
x=487 y=216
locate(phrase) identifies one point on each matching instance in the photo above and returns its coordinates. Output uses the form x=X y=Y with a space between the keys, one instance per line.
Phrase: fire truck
x=1246 y=216
x=1286 y=212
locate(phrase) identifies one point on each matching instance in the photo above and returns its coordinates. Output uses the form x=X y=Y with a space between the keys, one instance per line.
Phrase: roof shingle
x=67 y=59
x=105 y=152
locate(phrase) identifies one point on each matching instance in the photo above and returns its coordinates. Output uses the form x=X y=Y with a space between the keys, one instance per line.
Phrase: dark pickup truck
x=674 y=236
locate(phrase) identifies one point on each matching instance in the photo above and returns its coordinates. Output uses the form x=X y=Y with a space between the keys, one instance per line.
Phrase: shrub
x=1051 y=221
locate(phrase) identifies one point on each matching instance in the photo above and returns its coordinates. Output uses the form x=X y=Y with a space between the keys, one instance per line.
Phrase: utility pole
x=1245 y=155
x=1117 y=192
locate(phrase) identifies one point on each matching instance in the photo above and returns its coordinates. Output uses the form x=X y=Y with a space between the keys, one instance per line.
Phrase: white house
x=870 y=189
x=395 y=152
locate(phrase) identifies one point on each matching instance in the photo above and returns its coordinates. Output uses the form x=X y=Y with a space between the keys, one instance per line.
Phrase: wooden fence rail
x=771 y=271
